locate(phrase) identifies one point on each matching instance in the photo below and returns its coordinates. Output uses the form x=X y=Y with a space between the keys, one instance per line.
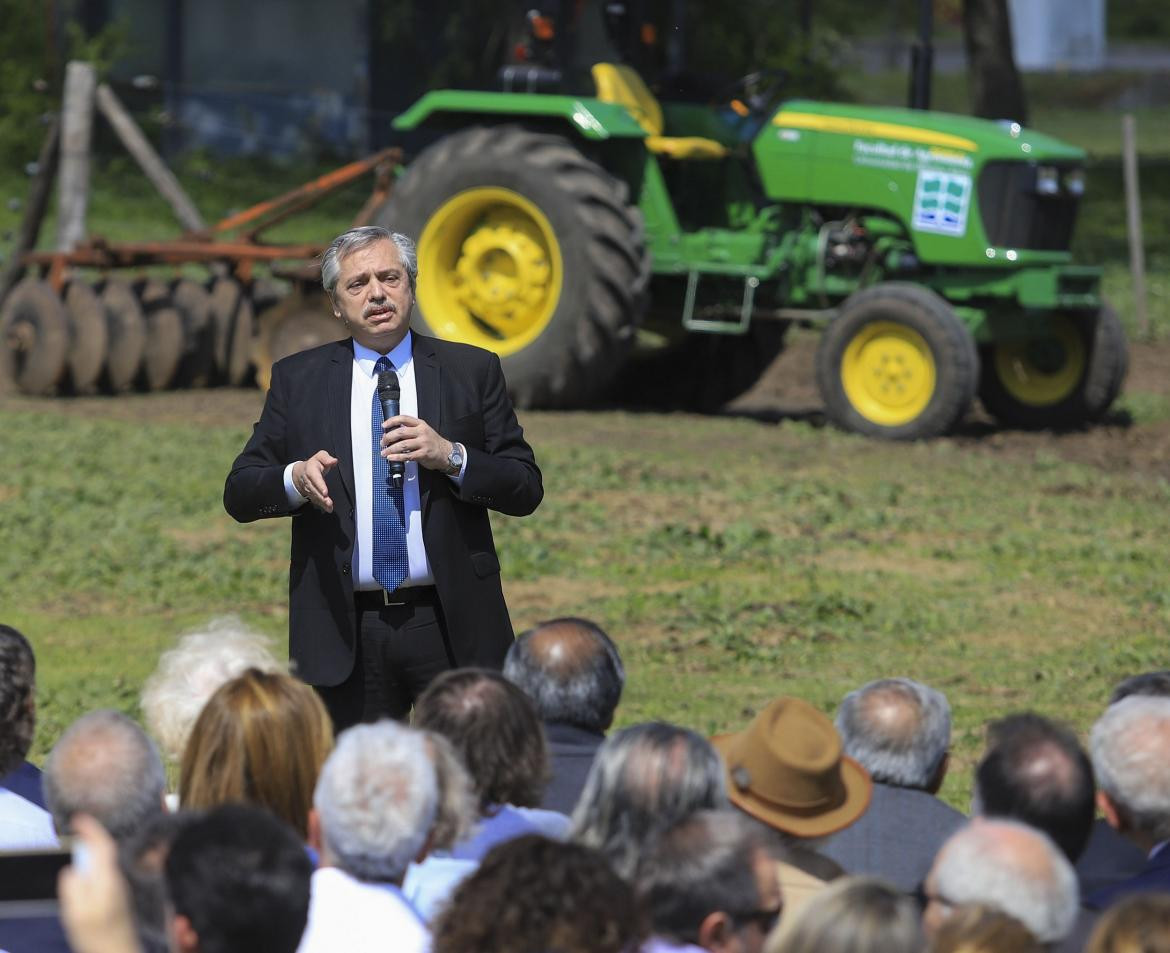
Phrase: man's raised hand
x=308 y=476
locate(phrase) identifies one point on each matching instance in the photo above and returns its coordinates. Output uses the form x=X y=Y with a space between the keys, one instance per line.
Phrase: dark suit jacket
x=461 y=394
x=897 y=837
x=1155 y=875
x=570 y=754
x=25 y=780
x=1107 y=859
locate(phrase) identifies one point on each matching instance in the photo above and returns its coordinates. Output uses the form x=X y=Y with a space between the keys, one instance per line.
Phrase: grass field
x=732 y=560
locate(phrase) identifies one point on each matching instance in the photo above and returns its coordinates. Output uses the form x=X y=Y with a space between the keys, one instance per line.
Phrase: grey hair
x=457 y=810
x=571 y=670
x=106 y=766
x=898 y=729
x=1130 y=749
x=361 y=237
x=377 y=798
x=644 y=779
x=189 y=674
x=701 y=865
x=858 y=914
x=18 y=670
x=1013 y=868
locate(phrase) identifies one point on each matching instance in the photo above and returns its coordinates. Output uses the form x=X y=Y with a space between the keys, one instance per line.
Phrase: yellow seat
x=622 y=86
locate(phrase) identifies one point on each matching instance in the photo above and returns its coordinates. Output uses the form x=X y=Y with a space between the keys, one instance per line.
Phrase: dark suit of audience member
x=899 y=731
x=25 y=781
x=574 y=675
x=1130 y=746
x=1108 y=859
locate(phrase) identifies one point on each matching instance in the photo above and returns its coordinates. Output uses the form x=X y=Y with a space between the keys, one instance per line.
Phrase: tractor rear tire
x=528 y=248
x=897 y=363
x=1066 y=380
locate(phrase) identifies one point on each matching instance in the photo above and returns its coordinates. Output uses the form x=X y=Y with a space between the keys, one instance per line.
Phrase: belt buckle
x=387 y=601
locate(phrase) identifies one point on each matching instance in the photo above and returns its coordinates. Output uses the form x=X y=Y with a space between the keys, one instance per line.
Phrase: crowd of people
x=509 y=817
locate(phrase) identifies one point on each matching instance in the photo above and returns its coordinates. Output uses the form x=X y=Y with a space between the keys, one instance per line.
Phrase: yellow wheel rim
x=489 y=270
x=1045 y=370
x=888 y=373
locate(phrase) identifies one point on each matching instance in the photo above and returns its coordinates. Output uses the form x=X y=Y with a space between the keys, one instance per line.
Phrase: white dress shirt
x=364 y=384
x=346 y=914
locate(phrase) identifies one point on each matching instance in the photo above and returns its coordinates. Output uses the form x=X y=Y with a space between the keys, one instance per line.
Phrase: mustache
x=378 y=309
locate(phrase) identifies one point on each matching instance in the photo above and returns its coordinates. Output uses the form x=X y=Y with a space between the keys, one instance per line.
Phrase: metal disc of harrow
x=231 y=313
x=34 y=338
x=164 y=336
x=296 y=324
x=90 y=336
x=126 y=329
x=197 y=365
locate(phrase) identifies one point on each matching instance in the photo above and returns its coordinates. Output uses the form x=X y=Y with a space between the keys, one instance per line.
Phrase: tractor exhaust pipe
x=922 y=57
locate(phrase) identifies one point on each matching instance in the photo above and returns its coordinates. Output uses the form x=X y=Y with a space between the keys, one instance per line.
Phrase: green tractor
x=559 y=230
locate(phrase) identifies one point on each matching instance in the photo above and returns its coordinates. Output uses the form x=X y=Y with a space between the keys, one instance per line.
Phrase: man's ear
x=1109 y=810
x=314 y=831
x=716 y=931
x=186 y=940
x=940 y=774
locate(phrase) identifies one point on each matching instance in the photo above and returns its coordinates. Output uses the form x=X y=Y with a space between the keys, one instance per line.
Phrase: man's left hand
x=408 y=438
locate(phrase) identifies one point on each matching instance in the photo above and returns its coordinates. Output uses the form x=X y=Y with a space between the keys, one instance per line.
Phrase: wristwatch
x=455 y=459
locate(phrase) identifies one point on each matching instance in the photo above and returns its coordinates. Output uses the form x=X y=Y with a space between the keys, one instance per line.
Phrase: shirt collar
x=366 y=357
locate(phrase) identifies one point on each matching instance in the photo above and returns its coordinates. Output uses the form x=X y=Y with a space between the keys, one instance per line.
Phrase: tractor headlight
x=1074 y=182
x=1047 y=180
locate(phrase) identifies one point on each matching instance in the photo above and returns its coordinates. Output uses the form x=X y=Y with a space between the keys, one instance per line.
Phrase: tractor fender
x=587 y=116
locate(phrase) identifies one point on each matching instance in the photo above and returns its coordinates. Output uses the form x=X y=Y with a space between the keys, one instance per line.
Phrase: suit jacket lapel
x=337 y=407
x=426 y=385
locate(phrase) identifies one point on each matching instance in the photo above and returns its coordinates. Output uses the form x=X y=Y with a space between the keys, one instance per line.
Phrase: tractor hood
x=980 y=138
x=967 y=190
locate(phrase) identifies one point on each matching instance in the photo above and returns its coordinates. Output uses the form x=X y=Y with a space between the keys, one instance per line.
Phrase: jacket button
x=351 y=512
x=345 y=569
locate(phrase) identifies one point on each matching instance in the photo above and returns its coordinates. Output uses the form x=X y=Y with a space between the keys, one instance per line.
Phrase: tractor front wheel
x=529 y=249
x=897 y=363
x=1065 y=377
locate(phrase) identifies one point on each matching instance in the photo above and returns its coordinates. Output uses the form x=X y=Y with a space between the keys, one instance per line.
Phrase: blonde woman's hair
x=977 y=929
x=853 y=915
x=261 y=739
x=1137 y=924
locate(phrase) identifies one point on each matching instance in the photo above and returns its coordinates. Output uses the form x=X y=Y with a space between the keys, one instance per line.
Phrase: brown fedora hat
x=787 y=770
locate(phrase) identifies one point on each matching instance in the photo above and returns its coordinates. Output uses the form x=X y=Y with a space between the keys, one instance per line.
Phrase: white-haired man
x=1130 y=749
x=394 y=577
x=373 y=810
x=1009 y=867
x=899 y=730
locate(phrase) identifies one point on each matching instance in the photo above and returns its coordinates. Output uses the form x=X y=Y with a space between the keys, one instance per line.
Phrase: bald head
x=571 y=670
x=104 y=765
x=1036 y=771
x=1009 y=867
x=899 y=730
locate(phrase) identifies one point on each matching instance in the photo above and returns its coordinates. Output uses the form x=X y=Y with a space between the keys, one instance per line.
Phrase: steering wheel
x=756 y=92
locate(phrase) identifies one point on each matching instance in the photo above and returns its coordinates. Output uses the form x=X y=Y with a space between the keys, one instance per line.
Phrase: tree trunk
x=996 y=90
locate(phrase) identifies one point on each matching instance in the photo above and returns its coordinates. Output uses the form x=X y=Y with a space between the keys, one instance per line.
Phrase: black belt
x=404 y=596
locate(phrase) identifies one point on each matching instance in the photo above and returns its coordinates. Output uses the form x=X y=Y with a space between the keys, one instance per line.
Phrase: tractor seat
x=622 y=86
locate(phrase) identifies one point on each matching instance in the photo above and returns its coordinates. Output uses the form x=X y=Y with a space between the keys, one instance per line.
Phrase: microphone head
x=388 y=386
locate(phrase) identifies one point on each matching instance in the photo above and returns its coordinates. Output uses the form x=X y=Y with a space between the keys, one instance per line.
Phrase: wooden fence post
x=76 y=133
x=1133 y=221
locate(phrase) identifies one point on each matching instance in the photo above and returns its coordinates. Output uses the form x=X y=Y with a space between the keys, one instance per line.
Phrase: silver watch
x=455 y=459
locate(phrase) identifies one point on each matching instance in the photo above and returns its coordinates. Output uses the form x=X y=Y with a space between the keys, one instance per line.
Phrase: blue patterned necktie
x=391 y=564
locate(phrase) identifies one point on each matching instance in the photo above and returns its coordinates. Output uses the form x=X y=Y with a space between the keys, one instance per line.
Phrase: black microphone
x=389 y=394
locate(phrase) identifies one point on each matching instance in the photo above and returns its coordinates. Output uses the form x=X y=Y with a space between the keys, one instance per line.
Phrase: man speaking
x=394 y=576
